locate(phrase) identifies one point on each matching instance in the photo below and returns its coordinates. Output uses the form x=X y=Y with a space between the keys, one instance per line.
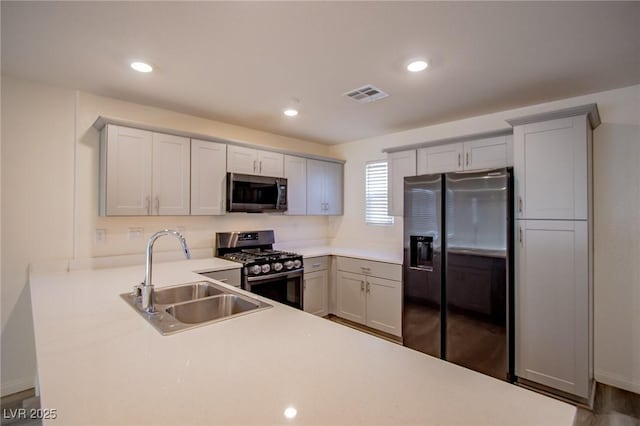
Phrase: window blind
x=376 y=194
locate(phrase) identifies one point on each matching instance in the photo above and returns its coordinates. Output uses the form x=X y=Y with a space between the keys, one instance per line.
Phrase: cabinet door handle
x=467 y=159
x=520 y=235
x=157 y=205
x=254 y=166
x=260 y=167
x=148 y=205
x=361 y=285
x=519 y=204
x=459 y=161
x=368 y=287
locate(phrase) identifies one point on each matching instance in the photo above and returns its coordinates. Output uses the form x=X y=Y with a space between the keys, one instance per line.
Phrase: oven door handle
x=288 y=274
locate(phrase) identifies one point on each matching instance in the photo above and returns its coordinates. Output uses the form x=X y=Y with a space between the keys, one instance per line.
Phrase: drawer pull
x=315 y=265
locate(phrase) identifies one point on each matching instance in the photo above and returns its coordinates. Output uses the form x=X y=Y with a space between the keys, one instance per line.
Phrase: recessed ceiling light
x=417 y=66
x=141 y=67
x=290 y=112
x=290 y=412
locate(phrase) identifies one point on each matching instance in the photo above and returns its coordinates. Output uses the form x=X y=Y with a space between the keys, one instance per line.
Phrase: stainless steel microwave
x=256 y=194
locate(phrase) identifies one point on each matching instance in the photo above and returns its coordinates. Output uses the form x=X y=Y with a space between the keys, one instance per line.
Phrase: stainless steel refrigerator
x=458 y=269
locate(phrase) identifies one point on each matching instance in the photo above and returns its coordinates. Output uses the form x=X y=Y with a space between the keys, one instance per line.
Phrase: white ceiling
x=243 y=62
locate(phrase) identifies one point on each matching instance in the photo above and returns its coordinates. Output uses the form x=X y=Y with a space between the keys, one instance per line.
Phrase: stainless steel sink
x=210 y=309
x=184 y=293
x=185 y=306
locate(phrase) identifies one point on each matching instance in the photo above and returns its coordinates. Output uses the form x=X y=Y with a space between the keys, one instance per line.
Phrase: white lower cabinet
x=316 y=293
x=316 y=285
x=227 y=276
x=370 y=293
x=552 y=305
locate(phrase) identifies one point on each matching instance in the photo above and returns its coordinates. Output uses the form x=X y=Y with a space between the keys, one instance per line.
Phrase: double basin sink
x=185 y=306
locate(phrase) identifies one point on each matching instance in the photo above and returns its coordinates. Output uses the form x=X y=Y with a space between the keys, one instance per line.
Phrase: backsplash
x=199 y=231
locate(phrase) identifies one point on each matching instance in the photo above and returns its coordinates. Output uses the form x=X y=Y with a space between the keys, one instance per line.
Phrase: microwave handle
x=278 y=200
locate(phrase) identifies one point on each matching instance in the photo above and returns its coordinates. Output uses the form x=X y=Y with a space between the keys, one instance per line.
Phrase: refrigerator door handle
x=422 y=268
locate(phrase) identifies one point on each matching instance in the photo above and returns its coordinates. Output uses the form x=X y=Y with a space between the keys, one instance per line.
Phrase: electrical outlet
x=101 y=236
x=136 y=233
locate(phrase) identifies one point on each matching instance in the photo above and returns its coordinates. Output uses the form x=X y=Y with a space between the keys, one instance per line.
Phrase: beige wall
x=199 y=230
x=37 y=208
x=50 y=201
x=50 y=198
x=616 y=217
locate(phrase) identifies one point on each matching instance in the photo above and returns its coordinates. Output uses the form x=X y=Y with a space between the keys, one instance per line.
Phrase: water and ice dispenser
x=421 y=250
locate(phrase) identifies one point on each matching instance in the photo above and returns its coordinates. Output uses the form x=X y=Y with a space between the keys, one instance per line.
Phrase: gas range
x=267 y=261
x=271 y=273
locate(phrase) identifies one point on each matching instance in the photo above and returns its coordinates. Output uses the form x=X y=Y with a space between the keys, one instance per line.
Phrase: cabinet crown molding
x=102 y=121
x=590 y=110
x=455 y=139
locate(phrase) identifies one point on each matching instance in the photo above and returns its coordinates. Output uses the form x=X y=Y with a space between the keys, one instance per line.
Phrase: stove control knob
x=288 y=264
x=255 y=269
x=277 y=266
x=297 y=263
x=266 y=268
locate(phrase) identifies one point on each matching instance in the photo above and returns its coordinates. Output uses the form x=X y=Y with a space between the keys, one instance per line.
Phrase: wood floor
x=612 y=406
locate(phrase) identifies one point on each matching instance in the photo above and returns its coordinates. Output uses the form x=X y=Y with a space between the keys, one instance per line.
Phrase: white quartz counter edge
x=99 y=362
x=359 y=253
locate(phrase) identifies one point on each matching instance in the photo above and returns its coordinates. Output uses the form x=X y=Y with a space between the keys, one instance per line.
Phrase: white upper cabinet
x=125 y=171
x=208 y=177
x=295 y=170
x=270 y=164
x=254 y=161
x=324 y=187
x=550 y=162
x=171 y=175
x=440 y=159
x=489 y=153
x=400 y=165
x=485 y=153
x=143 y=173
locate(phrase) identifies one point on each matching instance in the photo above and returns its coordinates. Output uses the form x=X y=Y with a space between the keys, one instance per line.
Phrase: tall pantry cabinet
x=554 y=268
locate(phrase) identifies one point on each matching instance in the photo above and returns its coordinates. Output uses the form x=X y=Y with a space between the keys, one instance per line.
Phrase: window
x=376 y=194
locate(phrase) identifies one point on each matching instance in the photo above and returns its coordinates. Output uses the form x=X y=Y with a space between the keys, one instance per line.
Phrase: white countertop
x=360 y=253
x=100 y=362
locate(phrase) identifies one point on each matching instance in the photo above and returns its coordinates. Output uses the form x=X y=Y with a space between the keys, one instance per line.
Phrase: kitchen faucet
x=145 y=289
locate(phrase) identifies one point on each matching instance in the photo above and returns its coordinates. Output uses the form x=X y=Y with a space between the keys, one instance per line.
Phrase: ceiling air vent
x=366 y=94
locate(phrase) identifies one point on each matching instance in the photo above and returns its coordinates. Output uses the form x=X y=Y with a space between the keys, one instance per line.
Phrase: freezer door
x=476 y=270
x=422 y=258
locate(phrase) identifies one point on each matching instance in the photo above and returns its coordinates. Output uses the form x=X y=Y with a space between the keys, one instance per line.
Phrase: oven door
x=285 y=287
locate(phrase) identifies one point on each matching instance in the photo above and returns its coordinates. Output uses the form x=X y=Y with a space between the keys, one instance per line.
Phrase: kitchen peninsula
x=99 y=362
